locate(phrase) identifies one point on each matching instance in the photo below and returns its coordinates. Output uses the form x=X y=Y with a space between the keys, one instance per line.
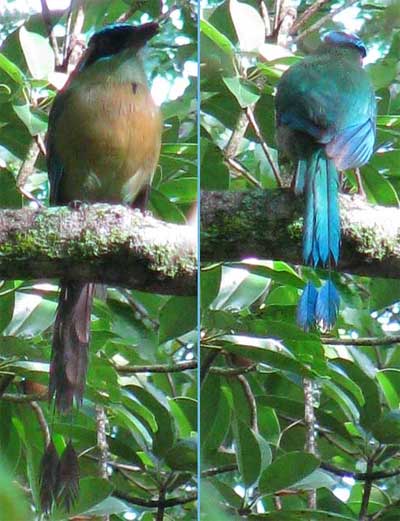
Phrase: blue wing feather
x=353 y=146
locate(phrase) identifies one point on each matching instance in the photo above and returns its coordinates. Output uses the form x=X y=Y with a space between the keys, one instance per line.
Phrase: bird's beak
x=141 y=34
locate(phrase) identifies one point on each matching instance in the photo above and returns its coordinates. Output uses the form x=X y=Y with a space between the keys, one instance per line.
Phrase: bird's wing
x=55 y=168
x=326 y=100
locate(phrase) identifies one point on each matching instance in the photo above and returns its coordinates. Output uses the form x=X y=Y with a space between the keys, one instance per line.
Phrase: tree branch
x=161 y=368
x=152 y=503
x=111 y=244
x=267 y=224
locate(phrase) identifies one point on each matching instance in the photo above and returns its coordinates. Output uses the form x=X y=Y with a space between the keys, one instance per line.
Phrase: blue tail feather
x=306 y=307
x=327 y=305
x=321 y=240
x=300 y=177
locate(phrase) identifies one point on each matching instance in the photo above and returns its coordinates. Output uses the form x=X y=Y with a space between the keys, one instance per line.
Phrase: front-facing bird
x=325 y=112
x=103 y=145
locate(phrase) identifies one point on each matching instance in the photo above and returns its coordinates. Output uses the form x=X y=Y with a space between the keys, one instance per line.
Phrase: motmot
x=326 y=119
x=103 y=145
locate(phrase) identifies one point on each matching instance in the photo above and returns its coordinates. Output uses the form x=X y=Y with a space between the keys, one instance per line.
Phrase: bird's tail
x=69 y=358
x=318 y=177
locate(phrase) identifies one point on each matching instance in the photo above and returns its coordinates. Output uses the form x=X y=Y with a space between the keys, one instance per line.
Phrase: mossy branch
x=111 y=244
x=268 y=224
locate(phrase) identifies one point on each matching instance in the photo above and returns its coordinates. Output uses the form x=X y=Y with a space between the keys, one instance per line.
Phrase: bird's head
x=346 y=40
x=116 y=38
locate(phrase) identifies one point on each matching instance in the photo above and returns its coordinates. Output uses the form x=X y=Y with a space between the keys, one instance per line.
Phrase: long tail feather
x=69 y=356
x=327 y=305
x=48 y=481
x=306 y=307
x=321 y=240
x=68 y=478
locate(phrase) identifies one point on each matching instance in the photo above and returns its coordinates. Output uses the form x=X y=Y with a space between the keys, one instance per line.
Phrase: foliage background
x=151 y=416
x=268 y=388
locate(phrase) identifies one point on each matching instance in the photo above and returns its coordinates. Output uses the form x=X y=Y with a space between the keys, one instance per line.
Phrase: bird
x=103 y=145
x=326 y=122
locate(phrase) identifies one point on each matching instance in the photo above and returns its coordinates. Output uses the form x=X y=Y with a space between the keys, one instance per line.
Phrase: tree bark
x=267 y=224
x=111 y=244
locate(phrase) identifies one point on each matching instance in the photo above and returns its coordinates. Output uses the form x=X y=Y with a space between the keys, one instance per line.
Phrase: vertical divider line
x=198 y=264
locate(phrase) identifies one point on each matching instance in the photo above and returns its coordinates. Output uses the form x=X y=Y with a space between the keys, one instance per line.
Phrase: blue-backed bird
x=103 y=145
x=325 y=115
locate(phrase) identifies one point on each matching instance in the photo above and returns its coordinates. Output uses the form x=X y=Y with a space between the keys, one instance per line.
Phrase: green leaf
x=239 y=289
x=13 y=504
x=164 y=437
x=215 y=413
x=177 y=316
x=387 y=428
x=92 y=491
x=248 y=453
x=7 y=302
x=210 y=281
x=286 y=471
x=244 y=91
x=164 y=208
x=183 y=455
x=217 y=37
x=12 y=70
x=38 y=54
x=389 y=380
x=182 y=190
x=35 y=123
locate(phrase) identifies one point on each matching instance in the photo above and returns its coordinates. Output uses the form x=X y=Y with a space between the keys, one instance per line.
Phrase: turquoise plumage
x=325 y=112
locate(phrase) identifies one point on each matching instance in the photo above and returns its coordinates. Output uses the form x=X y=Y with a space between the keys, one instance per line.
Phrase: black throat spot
x=134 y=87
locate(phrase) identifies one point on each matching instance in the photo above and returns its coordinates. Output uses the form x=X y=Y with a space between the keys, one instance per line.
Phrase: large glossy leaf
x=248 y=452
x=178 y=316
x=286 y=471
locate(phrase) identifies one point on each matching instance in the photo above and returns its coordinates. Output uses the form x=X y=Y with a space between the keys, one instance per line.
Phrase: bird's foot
x=76 y=204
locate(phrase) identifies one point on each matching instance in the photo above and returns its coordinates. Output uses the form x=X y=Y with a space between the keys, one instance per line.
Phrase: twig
x=265 y=16
x=101 y=422
x=232 y=371
x=161 y=368
x=362 y=341
x=360 y=476
x=311 y=444
x=131 y=11
x=155 y=503
x=277 y=14
x=73 y=52
x=317 y=25
x=250 y=400
x=360 y=186
x=314 y=7
x=42 y=422
x=161 y=501
x=214 y=471
x=27 y=169
x=101 y=425
x=206 y=364
x=236 y=137
x=366 y=493
x=286 y=21
x=24 y=398
x=243 y=171
x=46 y=15
x=264 y=146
